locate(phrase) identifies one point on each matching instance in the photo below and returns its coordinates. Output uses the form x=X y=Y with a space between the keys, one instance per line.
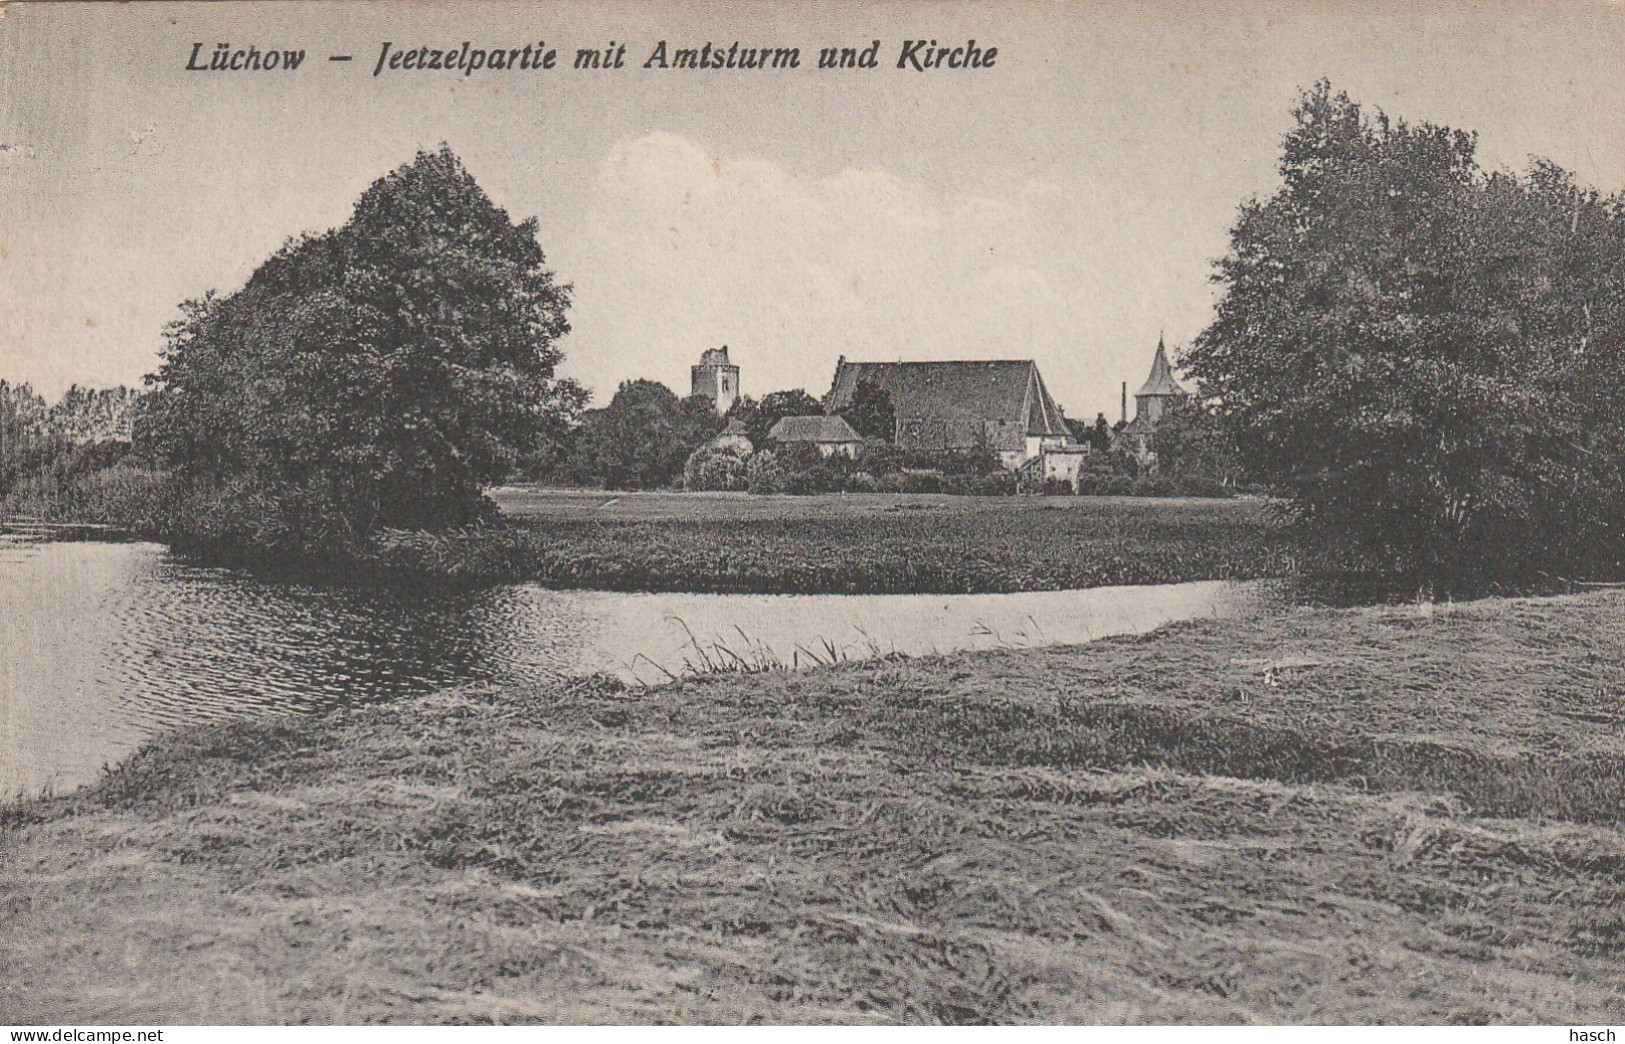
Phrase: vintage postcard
x=903 y=512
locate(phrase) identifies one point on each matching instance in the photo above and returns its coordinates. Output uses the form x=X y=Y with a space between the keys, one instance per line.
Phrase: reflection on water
x=103 y=644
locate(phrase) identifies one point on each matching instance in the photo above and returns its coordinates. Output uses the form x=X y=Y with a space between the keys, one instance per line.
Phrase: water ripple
x=103 y=644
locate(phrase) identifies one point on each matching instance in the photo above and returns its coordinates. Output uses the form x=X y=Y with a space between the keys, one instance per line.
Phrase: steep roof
x=1161 y=381
x=962 y=398
x=813 y=428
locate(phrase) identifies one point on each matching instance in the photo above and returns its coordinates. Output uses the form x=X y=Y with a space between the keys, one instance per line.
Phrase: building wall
x=1149 y=407
x=1064 y=466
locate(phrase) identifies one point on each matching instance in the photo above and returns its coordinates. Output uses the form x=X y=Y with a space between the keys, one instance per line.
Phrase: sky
x=1065 y=205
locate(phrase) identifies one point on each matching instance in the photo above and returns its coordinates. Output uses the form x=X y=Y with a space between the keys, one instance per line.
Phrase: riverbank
x=876 y=543
x=1407 y=815
x=848 y=544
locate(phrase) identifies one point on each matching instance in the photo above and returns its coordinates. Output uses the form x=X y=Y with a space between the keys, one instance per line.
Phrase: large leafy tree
x=1427 y=355
x=374 y=375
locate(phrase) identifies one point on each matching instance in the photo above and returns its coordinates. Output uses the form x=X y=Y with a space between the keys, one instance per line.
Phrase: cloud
x=689 y=250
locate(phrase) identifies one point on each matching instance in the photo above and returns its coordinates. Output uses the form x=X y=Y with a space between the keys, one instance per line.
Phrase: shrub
x=800 y=467
x=917 y=482
x=995 y=484
x=883 y=457
x=124 y=496
x=725 y=468
x=128 y=497
x=816 y=478
x=1203 y=486
x=243 y=518
x=999 y=483
x=36 y=494
x=764 y=473
x=1105 y=485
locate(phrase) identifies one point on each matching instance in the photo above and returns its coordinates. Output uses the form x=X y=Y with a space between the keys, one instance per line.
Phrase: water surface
x=104 y=644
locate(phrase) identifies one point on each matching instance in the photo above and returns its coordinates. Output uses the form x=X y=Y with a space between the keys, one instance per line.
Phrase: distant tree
x=53 y=446
x=1100 y=434
x=24 y=432
x=95 y=414
x=378 y=374
x=642 y=439
x=544 y=457
x=870 y=413
x=747 y=413
x=698 y=424
x=775 y=406
x=1096 y=435
x=1429 y=358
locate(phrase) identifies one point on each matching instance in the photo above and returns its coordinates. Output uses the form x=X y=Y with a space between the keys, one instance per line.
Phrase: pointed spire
x=1161 y=381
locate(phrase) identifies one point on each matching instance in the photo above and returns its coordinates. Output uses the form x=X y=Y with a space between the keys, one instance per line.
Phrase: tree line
x=48 y=450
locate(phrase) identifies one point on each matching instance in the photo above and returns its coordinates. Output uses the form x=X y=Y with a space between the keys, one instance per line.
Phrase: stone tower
x=716 y=378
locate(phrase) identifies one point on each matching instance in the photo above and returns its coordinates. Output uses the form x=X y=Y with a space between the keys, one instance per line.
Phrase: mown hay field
x=840 y=544
x=1408 y=814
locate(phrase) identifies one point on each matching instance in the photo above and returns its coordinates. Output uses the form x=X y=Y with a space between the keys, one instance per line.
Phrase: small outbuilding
x=832 y=435
x=733 y=439
x=1055 y=464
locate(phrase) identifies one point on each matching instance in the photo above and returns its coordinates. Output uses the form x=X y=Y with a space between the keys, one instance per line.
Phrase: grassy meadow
x=1408 y=814
x=847 y=544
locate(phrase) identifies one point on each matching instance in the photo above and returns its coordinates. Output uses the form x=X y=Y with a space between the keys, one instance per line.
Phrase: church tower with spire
x=1155 y=395
x=1157 y=392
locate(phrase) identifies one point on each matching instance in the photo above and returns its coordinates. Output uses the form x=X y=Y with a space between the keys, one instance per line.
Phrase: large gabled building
x=960 y=406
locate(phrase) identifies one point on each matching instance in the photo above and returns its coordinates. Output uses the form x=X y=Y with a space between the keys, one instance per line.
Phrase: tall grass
x=742 y=654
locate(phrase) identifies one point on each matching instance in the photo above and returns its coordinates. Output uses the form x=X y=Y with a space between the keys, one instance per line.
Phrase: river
x=103 y=644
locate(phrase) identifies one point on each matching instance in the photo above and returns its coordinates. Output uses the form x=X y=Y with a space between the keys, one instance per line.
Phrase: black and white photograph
x=895 y=512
